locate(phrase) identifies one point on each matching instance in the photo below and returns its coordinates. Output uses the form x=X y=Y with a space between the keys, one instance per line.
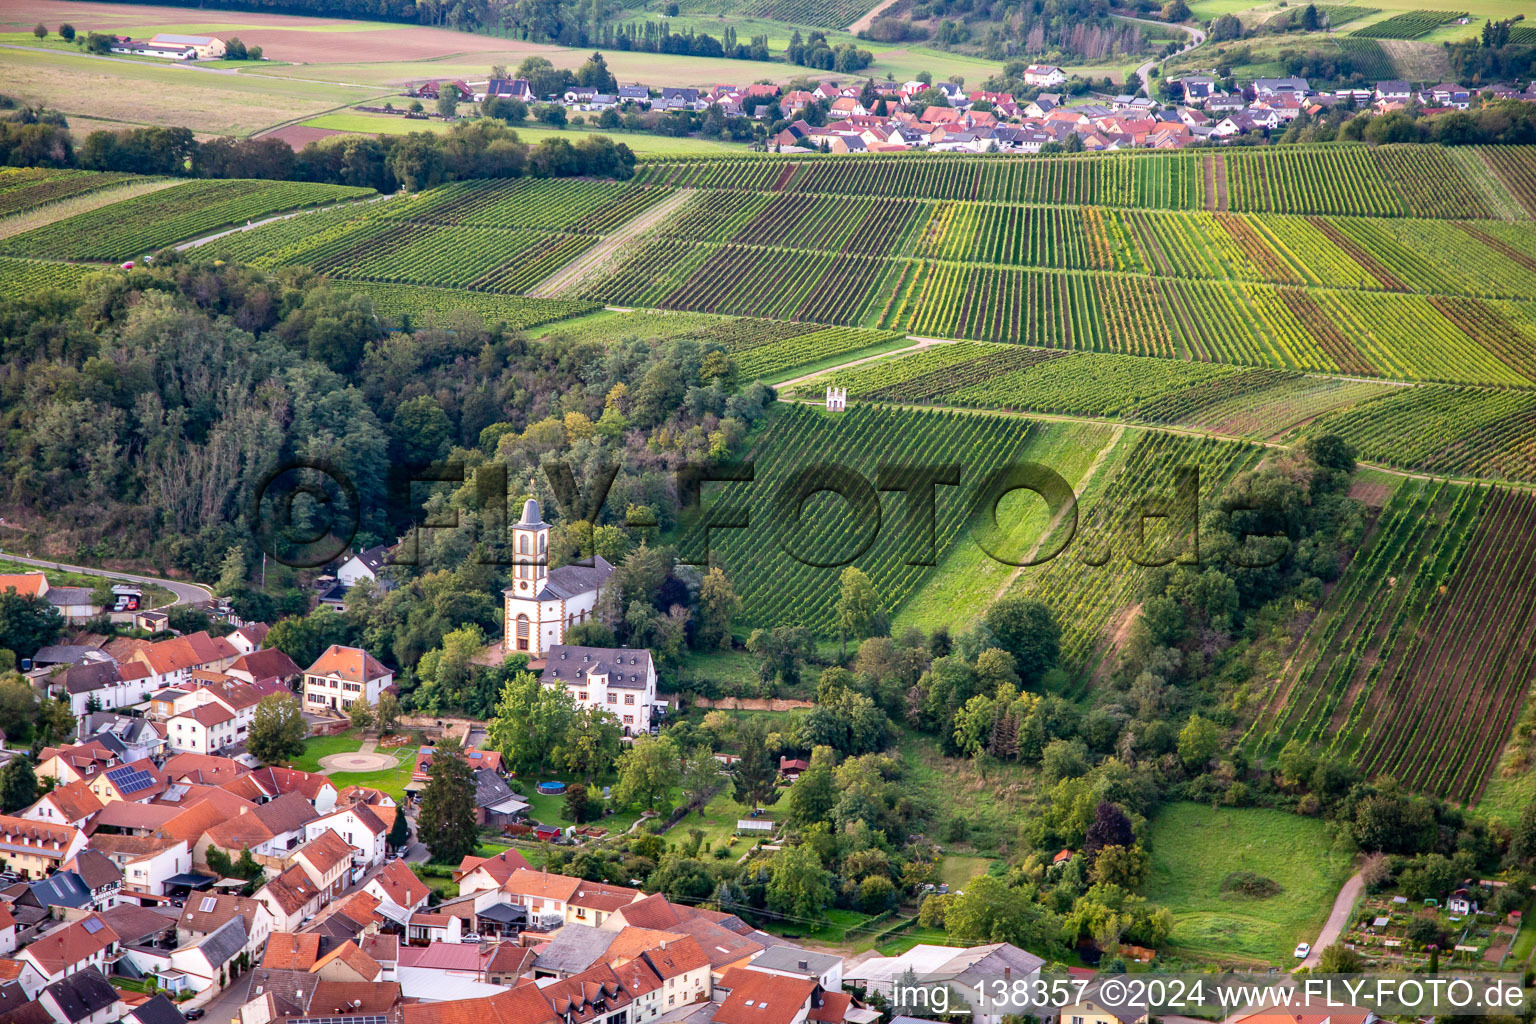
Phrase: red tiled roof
x=401 y=885
x=761 y=998
x=86 y=759
x=352 y=998
x=292 y=890
x=364 y=965
x=289 y=952
x=70 y=944
x=208 y=715
x=834 y=1006
x=500 y=867
x=325 y=852
x=599 y=896
x=205 y=768
x=353 y=664
x=74 y=801
x=676 y=958
x=523 y=1005
x=541 y=884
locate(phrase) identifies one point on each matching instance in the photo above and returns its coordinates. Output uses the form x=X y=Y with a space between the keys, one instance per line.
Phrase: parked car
x=1303 y=950
x=195 y=1013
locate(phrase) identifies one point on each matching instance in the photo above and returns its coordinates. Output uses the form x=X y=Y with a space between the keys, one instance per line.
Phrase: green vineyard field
x=778 y=589
x=444 y=307
x=139 y=226
x=28 y=188
x=1425 y=639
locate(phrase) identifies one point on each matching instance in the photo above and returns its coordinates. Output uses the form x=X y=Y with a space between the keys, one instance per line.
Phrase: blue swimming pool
x=552 y=788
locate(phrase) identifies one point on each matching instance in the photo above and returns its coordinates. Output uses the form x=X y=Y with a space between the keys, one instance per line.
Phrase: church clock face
x=522 y=586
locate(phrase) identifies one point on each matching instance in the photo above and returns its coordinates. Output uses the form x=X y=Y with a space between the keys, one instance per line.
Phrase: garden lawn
x=391 y=780
x=834 y=931
x=990 y=805
x=1193 y=848
x=550 y=810
x=956 y=871
x=915 y=935
x=1505 y=797
x=967 y=579
x=640 y=142
x=317 y=747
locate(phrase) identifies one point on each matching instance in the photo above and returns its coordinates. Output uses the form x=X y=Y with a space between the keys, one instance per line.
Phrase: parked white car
x=1302 y=951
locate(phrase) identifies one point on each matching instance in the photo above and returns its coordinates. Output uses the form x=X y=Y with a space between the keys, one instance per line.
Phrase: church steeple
x=530 y=550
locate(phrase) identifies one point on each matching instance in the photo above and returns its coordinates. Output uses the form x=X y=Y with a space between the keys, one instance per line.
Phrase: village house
x=618 y=680
x=1044 y=76
x=342 y=675
x=290 y=898
x=34 y=849
x=70 y=948
x=205 y=914
x=72 y=804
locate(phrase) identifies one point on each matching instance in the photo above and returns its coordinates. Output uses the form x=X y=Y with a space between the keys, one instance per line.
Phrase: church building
x=542 y=603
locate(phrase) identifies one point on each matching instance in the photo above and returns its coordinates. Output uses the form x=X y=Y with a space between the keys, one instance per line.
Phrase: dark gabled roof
x=83 y=993
x=490 y=788
x=290 y=990
x=225 y=943
x=87 y=676
x=135 y=924
x=61 y=889
x=570 y=581
x=65 y=654
x=375 y=558
x=96 y=869
x=626 y=667
x=60 y=596
x=158 y=1010
x=574 y=948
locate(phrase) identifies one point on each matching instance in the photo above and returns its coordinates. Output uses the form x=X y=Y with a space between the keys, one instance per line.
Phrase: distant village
x=887 y=117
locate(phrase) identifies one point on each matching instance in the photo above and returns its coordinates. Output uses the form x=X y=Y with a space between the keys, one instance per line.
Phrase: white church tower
x=530 y=550
x=542 y=604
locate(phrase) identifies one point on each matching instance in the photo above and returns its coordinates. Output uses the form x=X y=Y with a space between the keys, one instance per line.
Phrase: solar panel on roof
x=93 y=925
x=360 y=1019
x=129 y=779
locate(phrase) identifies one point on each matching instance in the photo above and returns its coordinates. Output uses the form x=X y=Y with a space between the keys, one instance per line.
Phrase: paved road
x=1343 y=906
x=186 y=593
x=1196 y=37
x=224 y=1008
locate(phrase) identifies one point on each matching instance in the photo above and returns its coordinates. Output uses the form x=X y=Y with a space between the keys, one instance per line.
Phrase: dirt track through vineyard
x=601 y=254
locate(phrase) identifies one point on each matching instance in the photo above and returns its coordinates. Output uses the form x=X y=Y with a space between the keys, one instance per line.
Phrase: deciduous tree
x=648 y=772
x=277 y=730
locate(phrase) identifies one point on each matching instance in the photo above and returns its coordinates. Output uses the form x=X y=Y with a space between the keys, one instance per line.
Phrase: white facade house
x=365 y=565
x=1044 y=75
x=360 y=827
x=203 y=47
x=542 y=603
x=341 y=675
x=205 y=729
x=618 y=680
